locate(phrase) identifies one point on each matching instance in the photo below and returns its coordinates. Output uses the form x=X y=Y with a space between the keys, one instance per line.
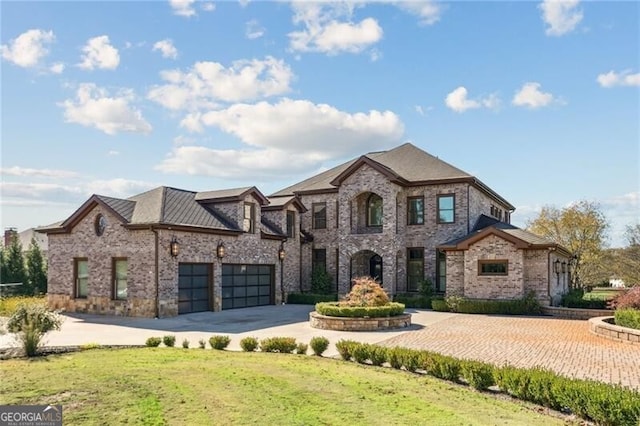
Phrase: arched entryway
x=367 y=263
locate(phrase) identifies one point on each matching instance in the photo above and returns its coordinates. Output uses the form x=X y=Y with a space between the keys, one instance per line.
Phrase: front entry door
x=375 y=268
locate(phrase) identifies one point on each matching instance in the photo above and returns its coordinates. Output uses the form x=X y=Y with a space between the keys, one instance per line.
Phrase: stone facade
x=346 y=234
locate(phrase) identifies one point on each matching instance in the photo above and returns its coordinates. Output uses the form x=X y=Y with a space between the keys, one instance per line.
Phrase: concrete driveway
x=564 y=346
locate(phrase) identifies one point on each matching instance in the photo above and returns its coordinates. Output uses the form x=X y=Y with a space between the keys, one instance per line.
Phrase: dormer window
x=374 y=210
x=248 y=222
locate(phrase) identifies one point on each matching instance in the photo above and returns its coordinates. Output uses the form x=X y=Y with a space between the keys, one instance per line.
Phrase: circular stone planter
x=358 y=324
x=604 y=326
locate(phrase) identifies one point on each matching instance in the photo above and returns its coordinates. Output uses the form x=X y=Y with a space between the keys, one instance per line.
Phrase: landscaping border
x=325 y=322
x=575 y=313
x=602 y=327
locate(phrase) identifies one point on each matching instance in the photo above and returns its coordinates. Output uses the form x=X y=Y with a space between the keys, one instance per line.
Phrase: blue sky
x=539 y=100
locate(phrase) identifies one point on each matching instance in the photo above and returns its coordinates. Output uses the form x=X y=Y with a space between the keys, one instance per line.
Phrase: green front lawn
x=156 y=386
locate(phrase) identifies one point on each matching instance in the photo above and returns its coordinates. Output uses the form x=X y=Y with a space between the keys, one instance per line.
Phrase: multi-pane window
x=319 y=259
x=374 y=210
x=319 y=215
x=493 y=267
x=441 y=278
x=291 y=224
x=120 y=279
x=446 y=208
x=415 y=268
x=249 y=218
x=415 y=211
x=81 y=278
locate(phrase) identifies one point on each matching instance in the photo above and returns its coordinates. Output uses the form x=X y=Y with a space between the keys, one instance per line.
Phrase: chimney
x=9 y=235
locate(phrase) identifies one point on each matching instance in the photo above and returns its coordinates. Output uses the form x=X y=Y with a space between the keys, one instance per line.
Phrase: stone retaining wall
x=602 y=327
x=574 y=313
x=358 y=324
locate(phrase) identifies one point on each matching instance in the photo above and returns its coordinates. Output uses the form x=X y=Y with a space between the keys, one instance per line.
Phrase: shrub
x=394 y=357
x=89 y=346
x=310 y=298
x=219 y=342
x=361 y=353
x=412 y=300
x=202 y=344
x=31 y=321
x=439 y=305
x=628 y=299
x=319 y=345
x=320 y=281
x=334 y=309
x=527 y=305
x=628 y=317
x=411 y=359
x=365 y=292
x=575 y=299
x=169 y=341
x=442 y=367
x=283 y=345
x=345 y=348
x=302 y=348
x=8 y=305
x=153 y=342
x=377 y=355
x=249 y=344
x=478 y=374
x=185 y=344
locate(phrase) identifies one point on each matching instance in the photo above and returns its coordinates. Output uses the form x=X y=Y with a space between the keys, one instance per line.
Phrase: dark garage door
x=193 y=287
x=247 y=285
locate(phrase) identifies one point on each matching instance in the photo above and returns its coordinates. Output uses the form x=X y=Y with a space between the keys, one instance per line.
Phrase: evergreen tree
x=36 y=270
x=14 y=265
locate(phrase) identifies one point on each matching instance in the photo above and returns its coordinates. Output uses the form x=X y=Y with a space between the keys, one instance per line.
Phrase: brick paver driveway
x=565 y=346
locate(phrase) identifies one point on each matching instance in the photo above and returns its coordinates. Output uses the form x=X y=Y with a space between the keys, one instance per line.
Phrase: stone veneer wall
x=455 y=273
x=509 y=286
x=82 y=242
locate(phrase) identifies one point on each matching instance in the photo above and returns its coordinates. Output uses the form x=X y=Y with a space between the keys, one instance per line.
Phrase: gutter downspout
x=157 y=272
x=468 y=209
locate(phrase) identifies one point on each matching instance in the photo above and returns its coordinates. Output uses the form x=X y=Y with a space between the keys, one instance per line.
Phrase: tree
x=14 y=271
x=626 y=260
x=36 y=269
x=581 y=228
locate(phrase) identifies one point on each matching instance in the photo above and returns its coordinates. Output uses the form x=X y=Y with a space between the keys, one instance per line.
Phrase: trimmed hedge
x=219 y=342
x=332 y=309
x=601 y=403
x=439 y=305
x=249 y=344
x=310 y=298
x=628 y=318
x=319 y=344
x=413 y=300
x=153 y=342
x=283 y=345
x=574 y=299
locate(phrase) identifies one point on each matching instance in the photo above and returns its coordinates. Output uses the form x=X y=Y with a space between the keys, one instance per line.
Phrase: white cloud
x=312 y=126
x=167 y=48
x=254 y=30
x=28 y=172
x=328 y=29
x=208 y=6
x=209 y=82
x=458 y=101
x=296 y=135
x=624 y=78
x=57 y=68
x=113 y=153
x=93 y=107
x=561 y=16
x=99 y=53
x=51 y=191
x=118 y=187
x=183 y=7
x=531 y=96
x=428 y=12
x=375 y=55
x=419 y=110
x=244 y=3
x=28 y=48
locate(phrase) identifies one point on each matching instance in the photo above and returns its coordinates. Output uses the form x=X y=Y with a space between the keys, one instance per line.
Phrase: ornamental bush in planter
x=366 y=300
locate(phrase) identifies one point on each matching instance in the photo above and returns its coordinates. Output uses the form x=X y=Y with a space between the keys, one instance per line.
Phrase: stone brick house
x=401 y=216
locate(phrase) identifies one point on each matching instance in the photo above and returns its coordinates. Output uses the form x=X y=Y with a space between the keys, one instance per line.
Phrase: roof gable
x=231 y=195
x=381 y=168
x=282 y=203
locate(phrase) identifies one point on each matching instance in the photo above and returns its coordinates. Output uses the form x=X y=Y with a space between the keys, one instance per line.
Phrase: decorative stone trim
x=602 y=326
x=574 y=313
x=358 y=324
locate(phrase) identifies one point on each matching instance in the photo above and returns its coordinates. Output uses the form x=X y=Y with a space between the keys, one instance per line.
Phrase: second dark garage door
x=247 y=285
x=194 y=287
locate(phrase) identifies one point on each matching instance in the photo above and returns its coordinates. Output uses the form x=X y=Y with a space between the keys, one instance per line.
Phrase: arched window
x=374 y=210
